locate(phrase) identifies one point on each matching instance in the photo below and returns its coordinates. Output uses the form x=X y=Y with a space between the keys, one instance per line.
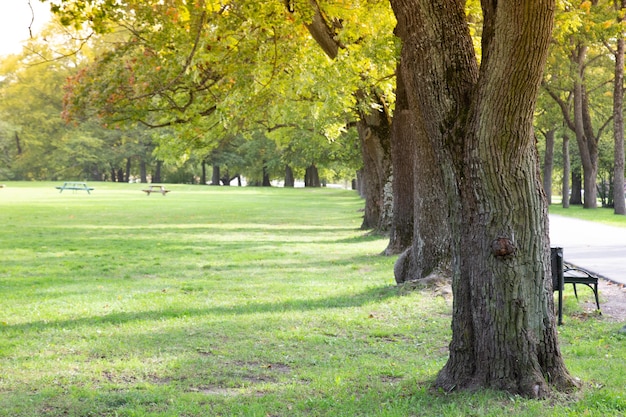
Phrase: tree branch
x=323 y=32
x=562 y=104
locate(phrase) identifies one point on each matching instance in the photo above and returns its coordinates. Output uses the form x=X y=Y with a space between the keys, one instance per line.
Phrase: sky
x=15 y=18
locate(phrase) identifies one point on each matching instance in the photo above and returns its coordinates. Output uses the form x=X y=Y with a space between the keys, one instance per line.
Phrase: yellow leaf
x=586 y=6
x=607 y=24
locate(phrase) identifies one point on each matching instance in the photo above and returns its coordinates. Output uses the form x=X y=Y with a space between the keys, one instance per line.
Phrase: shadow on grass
x=337 y=302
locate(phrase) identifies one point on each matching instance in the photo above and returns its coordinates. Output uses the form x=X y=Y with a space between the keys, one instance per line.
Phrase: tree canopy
x=209 y=70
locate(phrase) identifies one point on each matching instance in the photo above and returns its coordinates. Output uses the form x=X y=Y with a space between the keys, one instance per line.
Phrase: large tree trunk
x=619 y=204
x=548 y=162
x=430 y=250
x=374 y=129
x=427 y=244
x=403 y=156
x=480 y=125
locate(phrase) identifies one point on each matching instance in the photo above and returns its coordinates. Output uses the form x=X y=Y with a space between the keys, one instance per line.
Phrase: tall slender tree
x=565 y=190
x=619 y=202
x=582 y=89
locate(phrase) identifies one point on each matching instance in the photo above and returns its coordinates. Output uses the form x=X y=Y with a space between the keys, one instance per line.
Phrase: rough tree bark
x=374 y=129
x=403 y=156
x=417 y=200
x=480 y=124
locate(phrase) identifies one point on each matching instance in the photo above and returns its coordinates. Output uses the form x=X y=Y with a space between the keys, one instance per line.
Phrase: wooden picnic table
x=156 y=189
x=75 y=186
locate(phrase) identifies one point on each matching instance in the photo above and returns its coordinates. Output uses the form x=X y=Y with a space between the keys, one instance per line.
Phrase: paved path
x=593 y=246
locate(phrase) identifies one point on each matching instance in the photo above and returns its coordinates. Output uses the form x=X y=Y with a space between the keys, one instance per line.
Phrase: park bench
x=156 y=189
x=563 y=273
x=75 y=186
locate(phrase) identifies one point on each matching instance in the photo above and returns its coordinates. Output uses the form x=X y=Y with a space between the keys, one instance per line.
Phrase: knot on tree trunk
x=503 y=247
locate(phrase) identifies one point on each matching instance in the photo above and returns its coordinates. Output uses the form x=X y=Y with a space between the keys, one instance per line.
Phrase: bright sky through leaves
x=15 y=19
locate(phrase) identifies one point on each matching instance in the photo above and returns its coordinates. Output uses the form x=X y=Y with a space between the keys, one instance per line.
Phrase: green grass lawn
x=235 y=302
x=600 y=214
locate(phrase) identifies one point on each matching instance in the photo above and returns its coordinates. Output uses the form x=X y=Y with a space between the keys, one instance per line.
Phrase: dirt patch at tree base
x=612 y=301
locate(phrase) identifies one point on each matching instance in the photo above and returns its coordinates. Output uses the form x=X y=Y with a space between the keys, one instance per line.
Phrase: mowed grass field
x=218 y=301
